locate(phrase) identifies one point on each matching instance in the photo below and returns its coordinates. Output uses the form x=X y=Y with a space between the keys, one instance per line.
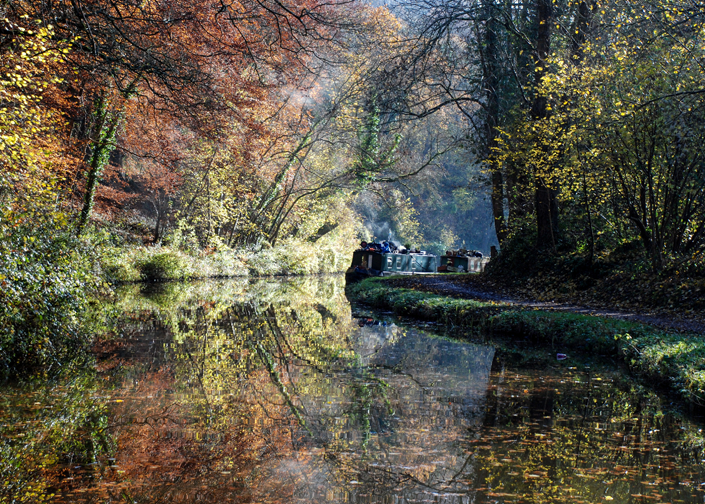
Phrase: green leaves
x=46 y=278
x=164 y=266
x=624 y=136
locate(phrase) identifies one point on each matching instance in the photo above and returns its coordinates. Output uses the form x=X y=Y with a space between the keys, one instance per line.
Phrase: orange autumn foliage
x=169 y=76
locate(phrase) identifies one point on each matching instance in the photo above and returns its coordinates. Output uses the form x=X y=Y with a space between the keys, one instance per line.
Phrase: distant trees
x=484 y=59
x=234 y=121
x=229 y=121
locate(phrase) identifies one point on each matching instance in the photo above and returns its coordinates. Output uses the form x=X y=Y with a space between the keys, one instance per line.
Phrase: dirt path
x=459 y=287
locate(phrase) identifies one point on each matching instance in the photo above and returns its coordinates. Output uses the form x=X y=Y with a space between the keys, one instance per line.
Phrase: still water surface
x=279 y=392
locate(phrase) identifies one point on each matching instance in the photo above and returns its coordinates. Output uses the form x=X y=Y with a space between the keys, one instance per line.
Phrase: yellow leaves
x=25 y=124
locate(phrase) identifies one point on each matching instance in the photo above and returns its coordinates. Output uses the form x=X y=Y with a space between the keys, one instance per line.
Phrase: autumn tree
x=623 y=129
x=197 y=63
x=43 y=272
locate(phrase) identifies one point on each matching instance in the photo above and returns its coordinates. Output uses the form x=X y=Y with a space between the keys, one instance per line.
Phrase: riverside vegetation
x=674 y=360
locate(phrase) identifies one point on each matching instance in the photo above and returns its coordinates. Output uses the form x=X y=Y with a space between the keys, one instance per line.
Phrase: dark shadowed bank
x=669 y=359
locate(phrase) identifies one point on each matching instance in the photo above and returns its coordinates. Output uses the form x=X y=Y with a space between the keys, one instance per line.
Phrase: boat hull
x=462 y=264
x=368 y=263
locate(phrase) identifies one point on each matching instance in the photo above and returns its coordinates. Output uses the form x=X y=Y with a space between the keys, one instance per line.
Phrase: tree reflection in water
x=273 y=392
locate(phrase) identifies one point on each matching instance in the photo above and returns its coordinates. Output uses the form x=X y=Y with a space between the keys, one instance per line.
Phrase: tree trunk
x=546 y=202
x=490 y=70
x=500 y=224
x=107 y=124
x=591 y=230
x=546 y=216
x=581 y=27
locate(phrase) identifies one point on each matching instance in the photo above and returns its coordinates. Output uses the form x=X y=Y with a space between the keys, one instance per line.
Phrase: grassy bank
x=156 y=263
x=672 y=360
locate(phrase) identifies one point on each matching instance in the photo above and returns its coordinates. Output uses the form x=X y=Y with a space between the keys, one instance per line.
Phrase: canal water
x=280 y=391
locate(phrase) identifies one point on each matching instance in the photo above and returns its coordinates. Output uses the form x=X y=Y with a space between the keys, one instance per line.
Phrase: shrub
x=119 y=265
x=519 y=256
x=162 y=266
x=46 y=277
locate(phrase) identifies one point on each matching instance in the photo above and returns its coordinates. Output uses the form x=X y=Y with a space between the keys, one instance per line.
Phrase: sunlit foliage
x=621 y=140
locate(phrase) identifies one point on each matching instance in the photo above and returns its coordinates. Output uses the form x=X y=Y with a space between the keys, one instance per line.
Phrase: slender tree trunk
x=581 y=27
x=490 y=69
x=159 y=208
x=500 y=224
x=517 y=179
x=546 y=195
x=546 y=215
x=591 y=232
x=258 y=217
x=107 y=125
x=275 y=187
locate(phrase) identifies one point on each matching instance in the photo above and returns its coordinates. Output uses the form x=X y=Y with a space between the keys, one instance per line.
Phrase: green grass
x=673 y=360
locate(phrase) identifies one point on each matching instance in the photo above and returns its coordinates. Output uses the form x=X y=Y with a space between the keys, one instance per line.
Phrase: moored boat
x=379 y=260
x=462 y=261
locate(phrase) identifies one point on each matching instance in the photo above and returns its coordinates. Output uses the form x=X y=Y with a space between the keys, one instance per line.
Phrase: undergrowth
x=46 y=280
x=673 y=360
x=156 y=263
x=618 y=277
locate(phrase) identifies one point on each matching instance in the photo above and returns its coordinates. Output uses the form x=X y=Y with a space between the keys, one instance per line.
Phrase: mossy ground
x=669 y=359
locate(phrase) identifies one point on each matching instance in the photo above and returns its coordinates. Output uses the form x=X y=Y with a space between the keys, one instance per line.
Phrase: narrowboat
x=383 y=259
x=375 y=262
x=461 y=262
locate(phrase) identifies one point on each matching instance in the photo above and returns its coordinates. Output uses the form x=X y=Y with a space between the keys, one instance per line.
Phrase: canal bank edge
x=668 y=359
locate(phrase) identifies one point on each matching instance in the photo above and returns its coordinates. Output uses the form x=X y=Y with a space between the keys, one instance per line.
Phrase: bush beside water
x=46 y=278
x=669 y=359
x=162 y=266
x=134 y=264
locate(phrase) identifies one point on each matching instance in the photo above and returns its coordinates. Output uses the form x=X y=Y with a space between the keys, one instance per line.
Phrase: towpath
x=462 y=286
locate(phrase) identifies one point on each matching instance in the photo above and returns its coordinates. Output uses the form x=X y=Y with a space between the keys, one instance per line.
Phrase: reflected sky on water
x=274 y=392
